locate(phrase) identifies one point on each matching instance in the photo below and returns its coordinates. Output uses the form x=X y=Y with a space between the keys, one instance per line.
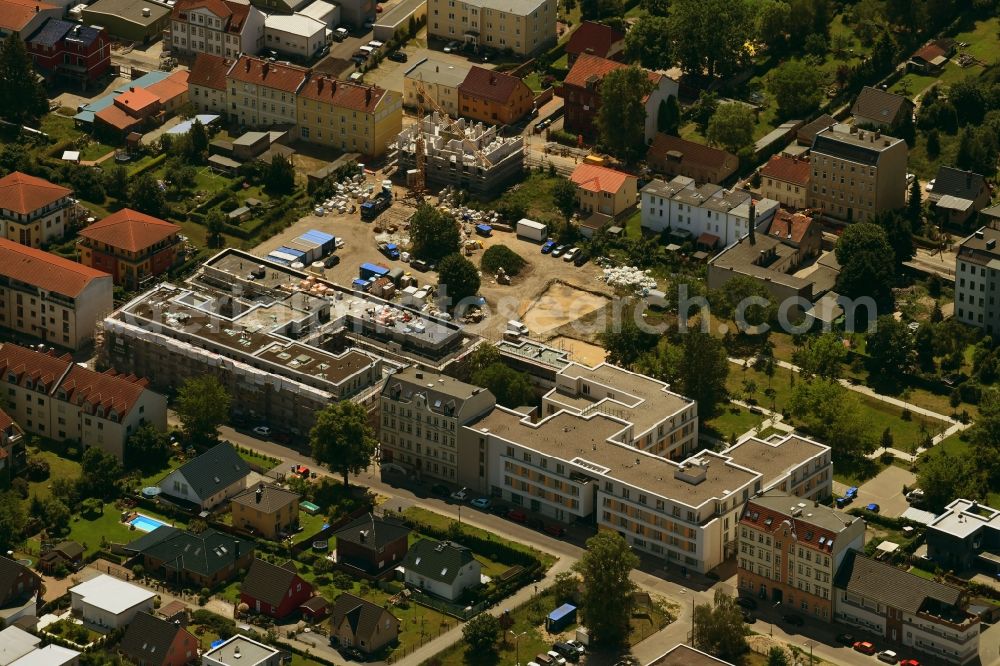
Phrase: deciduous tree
x=866 y=259
x=146 y=196
x=709 y=35
x=510 y=387
x=703 y=370
x=821 y=356
x=719 y=628
x=23 y=100
x=202 y=405
x=433 y=234
x=890 y=348
x=459 y=277
x=607 y=589
x=280 y=175
x=564 y=197
x=796 y=86
x=646 y=43
x=731 y=126
x=621 y=117
x=481 y=634
x=342 y=438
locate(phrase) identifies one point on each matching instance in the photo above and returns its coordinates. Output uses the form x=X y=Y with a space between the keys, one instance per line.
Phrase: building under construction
x=469 y=156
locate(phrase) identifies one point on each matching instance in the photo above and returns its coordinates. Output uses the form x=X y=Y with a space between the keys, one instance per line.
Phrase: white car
x=339 y=243
x=570 y=254
x=263 y=431
x=887 y=656
x=460 y=495
x=451 y=46
x=557 y=658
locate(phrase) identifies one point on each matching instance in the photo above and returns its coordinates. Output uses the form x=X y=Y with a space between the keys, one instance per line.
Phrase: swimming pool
x=146 y=524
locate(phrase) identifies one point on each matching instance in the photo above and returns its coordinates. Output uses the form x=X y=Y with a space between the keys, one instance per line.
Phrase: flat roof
x=774 y=459
x=400 y=12
x=439 y=72
x=964 y=517
x=820 y=516
x=241 y=651
x=535 y=352
x=111 y=594
x=684 y=655
x=130 y=10
x=295 y=24
x=50 y=655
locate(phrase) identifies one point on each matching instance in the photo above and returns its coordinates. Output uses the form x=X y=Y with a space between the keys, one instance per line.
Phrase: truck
x=390 y=250
x=531 y=230
x=371 y=209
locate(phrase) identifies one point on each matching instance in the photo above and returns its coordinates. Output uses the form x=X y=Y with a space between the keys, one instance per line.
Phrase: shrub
x=501 y=256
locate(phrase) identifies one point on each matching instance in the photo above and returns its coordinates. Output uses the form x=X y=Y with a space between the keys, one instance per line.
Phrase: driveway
x=886 y=490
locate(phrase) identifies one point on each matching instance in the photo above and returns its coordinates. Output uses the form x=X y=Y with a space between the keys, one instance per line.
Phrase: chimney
x=265 y=67
x=362 y=536
x=260 y=493
x=878 y=134
x=145 y=12
x=420 y=375
x=752 y=217
x=37 y=9
x=368 y=96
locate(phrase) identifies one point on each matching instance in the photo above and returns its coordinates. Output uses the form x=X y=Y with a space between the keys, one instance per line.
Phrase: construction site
x=437 y=151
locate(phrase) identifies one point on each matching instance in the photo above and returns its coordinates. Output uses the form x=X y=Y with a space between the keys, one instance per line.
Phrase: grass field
x=732 y=420
x=90 y=531
x=59 y=468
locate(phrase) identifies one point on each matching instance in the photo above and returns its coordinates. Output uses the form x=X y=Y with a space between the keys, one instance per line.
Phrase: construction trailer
x=471 y=156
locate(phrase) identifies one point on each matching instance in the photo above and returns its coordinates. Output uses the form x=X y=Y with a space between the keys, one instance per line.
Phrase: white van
x=517 y=327
x=375 y=44
x=367 y=50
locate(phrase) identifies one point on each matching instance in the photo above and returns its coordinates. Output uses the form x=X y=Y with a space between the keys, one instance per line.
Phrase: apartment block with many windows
x=348 y=116
x=217 y=27
x=263 y=93
x=521 y=26
x=34 y=211
x=790 y=550
x=977 y=277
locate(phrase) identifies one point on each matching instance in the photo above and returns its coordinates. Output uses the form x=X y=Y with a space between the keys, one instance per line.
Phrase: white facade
x=50 y=655
x=682 y=206
x=295 y=35
x=977 y=278
x=201 y=30
x=241 y=651
x=468 y=577
x=664 y=88
x=325 y=12
x=107 y=603
x=175 y=485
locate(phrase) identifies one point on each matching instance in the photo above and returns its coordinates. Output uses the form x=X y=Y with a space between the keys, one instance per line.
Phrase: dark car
x=397 y=56
x=558 y=250
x=331 y=261
x=440 y=489
x=746 y=602
x=794 y=620
x=352 y=654
x=748 y=617
x=517 y=516
x=581 y=258
x=555 y=530
x=419 y=265
x=845 y=639
x=569 y=652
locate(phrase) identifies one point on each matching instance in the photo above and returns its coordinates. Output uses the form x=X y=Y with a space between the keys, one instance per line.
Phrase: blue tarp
x=368 y=270
x=292 y=251
x=318 y=236
x=484 y=229
x=185 y=127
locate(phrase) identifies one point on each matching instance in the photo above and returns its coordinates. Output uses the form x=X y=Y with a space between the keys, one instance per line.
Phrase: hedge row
x=494 y=550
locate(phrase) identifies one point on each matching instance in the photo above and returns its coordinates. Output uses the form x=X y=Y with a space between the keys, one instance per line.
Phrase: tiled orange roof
x=45 y=270
x=342 y=94
x=487 y=84
x=233 y=14
x=269 y=74
x=130 y=230
x=25 y=194
x=793 y=170
x=136 y=99
x=209 y=71
x=599 y=179
x=102 y=389
x=5 y=420
x=593 y=39
x=15 y=14
x=588 y=65
x=789 y=226
x=174 y=85
x=800 y=526
x=116 y=117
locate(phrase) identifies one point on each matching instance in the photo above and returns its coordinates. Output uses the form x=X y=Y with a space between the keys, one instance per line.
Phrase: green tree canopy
x=943 y=476
x=668 y=116
x=342 y=438
x=797 y=87
x=147 y=449
x=646 y=45
x=280 y=175
x=500 y=256
x=866 y=259
x=709 y=35
x=595 y=10
x=821 y=356
x=202 y=405
x=731 y=126
x=833 y=414
x=890 y=348
x=564 y=197
x=719 y=627
x=703 y=370
x=146 y=196
x=481 y=634
x=510 y=387
x=899 y=232
x=625 y=341
x=606 y=602
x=12 y=520
x=744 y=297
x=101 y=474
x=433 y=234
x=23 y=100
x=459 y=277
x=621 y=116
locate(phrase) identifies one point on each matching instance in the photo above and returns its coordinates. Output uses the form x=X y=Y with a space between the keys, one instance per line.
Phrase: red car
x=864 y=647
x=301 y=470
x=517 y=515
x=909 y=662
x=555 y=530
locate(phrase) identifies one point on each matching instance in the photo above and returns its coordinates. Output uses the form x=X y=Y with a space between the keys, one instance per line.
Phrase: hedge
x=494 y=550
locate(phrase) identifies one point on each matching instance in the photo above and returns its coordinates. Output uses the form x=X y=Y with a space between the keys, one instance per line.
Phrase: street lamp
x=517 y=644
x=810 y=645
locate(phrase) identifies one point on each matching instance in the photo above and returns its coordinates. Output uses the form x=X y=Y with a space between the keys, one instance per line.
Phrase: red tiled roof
x=588 y=65
x=25 y=194
x=116 y=117
x=692 y=153
x=15 y=14
x=209 y=71
x=232 y=13
x=136 y=99
x=929 y=52
x=787 y=169
x=596 y=178
x=594 y=39
x=45 y=270
x=343 y=94
x=789 y=226
x=103 y=389
x=487 y=84
x=5 y=420
x=269 y=74
x=130 y=230
x=26 y=364
x=174 y=85
x=801 y=527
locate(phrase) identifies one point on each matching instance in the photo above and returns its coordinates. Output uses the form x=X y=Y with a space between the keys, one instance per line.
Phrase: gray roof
x=378 y=532
x=860 y=146
x=250 y=652
x=890 y=585
x=880 y=105
x=130 y=10
x=205 y=553
x=267 y=498
x=981 y=251
x=444 y=395
x=957 y=183
x=685 y=655
x=269 y=582
x=437 y=560
x=216 y=469
x=148 y=639
x=362 y=616
x=519 y=7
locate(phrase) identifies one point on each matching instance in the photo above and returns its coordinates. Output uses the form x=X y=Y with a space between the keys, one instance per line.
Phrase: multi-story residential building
x=421 y=415
x=34 y=211
x=522 y=26
x=786 y=180
x=13 y=455
x=710 y=214
x=349 y=116
x=217 y=27
x=595 y=39
x=908 y=611
x=50 y=298
x=54 y=397
x=790 y=551
x=977 y=276
x=294 y=34
x=582 y=99
x=856 y=173
x=434 y=84
x=24 y=17
x=207 y=86
x=132 y=246
x=494 y=97
x=263 y=93
x=70 y=51
x=965 y=537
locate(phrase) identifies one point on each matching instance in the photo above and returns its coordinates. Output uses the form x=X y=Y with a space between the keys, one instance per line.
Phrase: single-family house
x=69 y=51
x=357 y=623
x=958 y=195
x=494 y=97
x=24 y=17
x=931 y=58
x=153 y=641
x=19 y=590
x=602 y=194
x=266 y=510
x=595 y=39
x=106 y=603
x=209 y=479
x=673 y=156
x=372 y=544
x=34 y=211
x=880 y=109
x=273 y=590
x=441 y=568
x=204 y=559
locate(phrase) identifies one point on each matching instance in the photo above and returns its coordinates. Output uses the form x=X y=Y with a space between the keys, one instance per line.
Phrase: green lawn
x=983 y=39
x=59 y=468
x=266 y=463
x=732 y=420
x=633 y=224
x=90 y=531
x=923 y=573
x=534 y=81
x=310 y=525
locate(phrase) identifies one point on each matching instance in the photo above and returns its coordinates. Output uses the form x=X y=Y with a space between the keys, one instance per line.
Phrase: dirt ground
x=550 y=294
x=584 y=352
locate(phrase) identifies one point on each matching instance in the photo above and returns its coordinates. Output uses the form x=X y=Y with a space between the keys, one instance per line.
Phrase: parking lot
x=885 y=489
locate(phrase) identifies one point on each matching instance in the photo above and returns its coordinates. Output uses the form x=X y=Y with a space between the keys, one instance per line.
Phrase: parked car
x=262 y=430
x=331 y=261
x=864 y=647
x=542 y=124
x=571 y=253
x=874 y=508
x=544 y=659
x=794 y=620
x=397 y=56
x=558 y=250
x=567 y=651
x=517 y=516
x=556 y=658
x=887 y=656
x=440 y=489
x=555 y=530
x=582 y=257
x=451 y=46
x=909 y=662
x=481 y=502
x=301 y=470
x=581 y=649
x=460 y=495
x=845 y=639
x=419 y=265
x=746 y=602
x=548 y=246
x=915 y=496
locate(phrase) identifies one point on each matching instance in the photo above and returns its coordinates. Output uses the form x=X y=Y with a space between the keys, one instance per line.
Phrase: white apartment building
x=710 y=214
x=263 y=93
x=34 y=211
x=523 y=26
x=977 y=265
x=295 y=34
x=217 y=27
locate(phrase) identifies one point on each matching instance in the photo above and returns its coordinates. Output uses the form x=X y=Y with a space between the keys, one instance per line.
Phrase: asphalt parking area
x=886 y=490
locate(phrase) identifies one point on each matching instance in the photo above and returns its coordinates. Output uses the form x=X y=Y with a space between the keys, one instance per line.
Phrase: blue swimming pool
x=146 y=524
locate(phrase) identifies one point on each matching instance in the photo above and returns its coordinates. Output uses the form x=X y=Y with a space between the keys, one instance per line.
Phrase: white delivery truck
x=531 y=230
